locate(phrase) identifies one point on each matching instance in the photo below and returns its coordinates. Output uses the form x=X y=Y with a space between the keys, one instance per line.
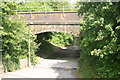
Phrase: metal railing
x=46 y=9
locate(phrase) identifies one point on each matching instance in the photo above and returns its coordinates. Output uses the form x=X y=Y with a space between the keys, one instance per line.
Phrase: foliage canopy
x=99 y=38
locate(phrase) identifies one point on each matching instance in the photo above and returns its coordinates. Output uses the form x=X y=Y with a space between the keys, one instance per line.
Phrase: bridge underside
x=70 y=29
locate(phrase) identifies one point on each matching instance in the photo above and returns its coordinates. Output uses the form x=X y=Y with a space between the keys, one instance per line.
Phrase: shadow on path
x=62 y=61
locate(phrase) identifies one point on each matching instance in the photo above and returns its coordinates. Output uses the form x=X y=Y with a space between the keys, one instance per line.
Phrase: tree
x=99 y=38
x=15 y=36
x=61 y=39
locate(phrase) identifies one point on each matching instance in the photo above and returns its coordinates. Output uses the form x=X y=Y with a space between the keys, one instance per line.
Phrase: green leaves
x=99 y=35
x=15 y=38
x=45 y=6
x=61 y=39
x=7 y=8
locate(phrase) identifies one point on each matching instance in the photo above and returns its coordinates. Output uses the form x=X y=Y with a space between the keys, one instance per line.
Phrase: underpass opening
x=55 y=45
x=60 y=58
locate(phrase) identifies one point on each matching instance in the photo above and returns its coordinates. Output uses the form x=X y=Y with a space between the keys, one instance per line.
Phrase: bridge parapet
x=51 y=17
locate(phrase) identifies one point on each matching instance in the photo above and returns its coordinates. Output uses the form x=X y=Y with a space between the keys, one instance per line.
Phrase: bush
x=11 y=64
x=34 y=59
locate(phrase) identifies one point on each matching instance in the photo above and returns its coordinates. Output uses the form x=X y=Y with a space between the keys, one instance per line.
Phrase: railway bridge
x=40 y=22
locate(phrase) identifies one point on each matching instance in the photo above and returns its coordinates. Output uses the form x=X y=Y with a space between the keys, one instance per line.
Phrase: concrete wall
x=23 y=63
x=1 y=70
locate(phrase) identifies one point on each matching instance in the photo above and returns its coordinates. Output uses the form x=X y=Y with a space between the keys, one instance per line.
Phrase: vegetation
x=0 y=36
x=15 y=35
x=99 y=39
x=15 y=38
x=51 y=39
x=45 y=6
x=61 y=39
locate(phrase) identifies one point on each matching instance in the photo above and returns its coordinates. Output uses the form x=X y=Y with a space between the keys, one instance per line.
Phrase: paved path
x=62 y=64
x=47 y=68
